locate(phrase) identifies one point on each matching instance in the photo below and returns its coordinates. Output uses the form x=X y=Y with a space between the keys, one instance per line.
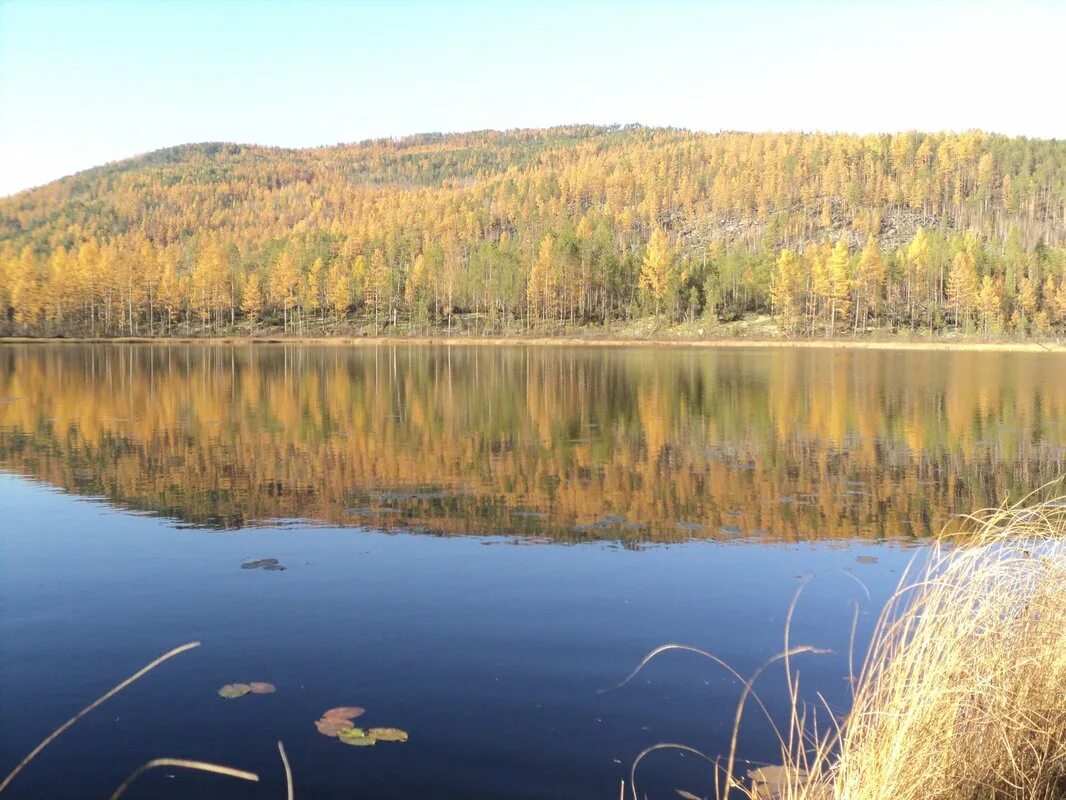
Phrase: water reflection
x=571 y=443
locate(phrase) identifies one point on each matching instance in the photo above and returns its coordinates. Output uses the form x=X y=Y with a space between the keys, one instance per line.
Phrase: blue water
x=490 y=653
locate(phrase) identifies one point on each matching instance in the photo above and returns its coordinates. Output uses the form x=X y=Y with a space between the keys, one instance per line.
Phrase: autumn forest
x=547 y=231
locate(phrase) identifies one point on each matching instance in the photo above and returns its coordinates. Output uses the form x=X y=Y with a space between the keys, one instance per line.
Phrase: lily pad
x=260 y=562
x=262 y=687
x=388 y=734
x=356 y=737
x=365 y=741
x=232 y=690
x=346 y=713
x=331 y=727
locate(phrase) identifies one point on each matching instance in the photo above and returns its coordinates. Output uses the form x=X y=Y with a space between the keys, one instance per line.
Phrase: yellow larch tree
x=338 y=288
x=252 y=297
x=990 y=304
x=169 y=292
x=657 y=269
x=963 y=287
x=839 y=270
x=870 y=278
x=917 y=263
x=26 y=296
x=311 y=290
x=284 y=284
x=786 y=291
x=542 y=286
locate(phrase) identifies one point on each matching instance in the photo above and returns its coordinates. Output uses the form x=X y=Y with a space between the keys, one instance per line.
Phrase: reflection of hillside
x=573 y=443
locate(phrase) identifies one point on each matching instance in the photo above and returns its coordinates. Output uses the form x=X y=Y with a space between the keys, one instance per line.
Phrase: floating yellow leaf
x=356 y=737
x=388 y=734
x=232 y=690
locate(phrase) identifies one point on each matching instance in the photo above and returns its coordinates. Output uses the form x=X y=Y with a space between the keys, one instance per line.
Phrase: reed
x=962 y=695
x=963 y=692
x=184 y=763
x=199 y=766
x=95 y=704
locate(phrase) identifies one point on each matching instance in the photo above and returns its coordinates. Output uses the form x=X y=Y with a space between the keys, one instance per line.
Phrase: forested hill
x=542 y=229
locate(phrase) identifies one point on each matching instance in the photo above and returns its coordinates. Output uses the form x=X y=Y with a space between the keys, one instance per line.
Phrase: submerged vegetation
x=546 y=230
x=963 y=692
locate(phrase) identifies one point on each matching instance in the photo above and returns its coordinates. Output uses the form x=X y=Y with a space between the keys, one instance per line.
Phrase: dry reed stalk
x=99 y=701
x=288 y=770
x=747 y=691
x=200 y=766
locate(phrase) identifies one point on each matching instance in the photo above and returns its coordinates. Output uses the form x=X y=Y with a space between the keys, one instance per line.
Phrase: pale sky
x=83 y=83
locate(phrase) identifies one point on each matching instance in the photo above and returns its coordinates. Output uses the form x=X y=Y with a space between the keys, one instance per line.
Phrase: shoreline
x=555 y=341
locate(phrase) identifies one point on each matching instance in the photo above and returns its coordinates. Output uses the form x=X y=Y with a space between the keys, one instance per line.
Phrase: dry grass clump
x=963 y=693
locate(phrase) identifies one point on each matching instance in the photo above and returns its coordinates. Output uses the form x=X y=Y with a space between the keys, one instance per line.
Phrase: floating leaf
x=262 y=687
x=274 y=568
x=232 y=690
x=260 y=562
x=345 y=713
x=687 y=795
x=388 y=734
x=356 y=737
x=331 y=727
x=364 y=741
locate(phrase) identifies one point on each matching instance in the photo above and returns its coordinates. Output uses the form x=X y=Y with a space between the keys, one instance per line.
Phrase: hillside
x=543 y=229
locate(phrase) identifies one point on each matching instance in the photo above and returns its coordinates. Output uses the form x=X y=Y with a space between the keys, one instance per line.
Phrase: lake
x=477 y=542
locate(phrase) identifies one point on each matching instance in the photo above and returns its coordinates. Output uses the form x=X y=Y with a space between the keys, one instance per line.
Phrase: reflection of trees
x=800 y=444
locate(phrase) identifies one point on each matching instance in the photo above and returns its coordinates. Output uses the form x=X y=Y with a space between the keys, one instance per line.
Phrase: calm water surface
x=477 y=541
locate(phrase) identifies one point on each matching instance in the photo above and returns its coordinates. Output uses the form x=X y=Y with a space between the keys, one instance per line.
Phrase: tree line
x=541 y=230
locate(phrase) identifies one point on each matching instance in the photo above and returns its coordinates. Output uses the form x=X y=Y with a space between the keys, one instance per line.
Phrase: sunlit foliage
x=546 y=228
